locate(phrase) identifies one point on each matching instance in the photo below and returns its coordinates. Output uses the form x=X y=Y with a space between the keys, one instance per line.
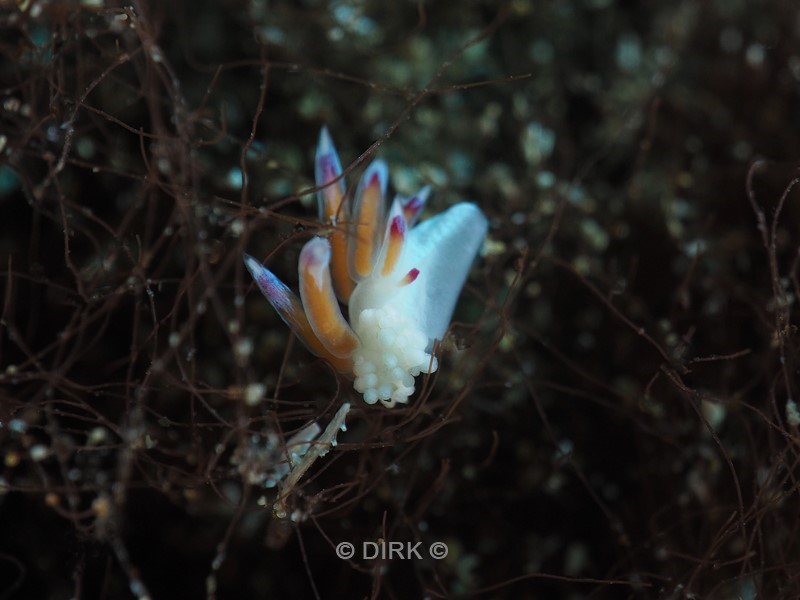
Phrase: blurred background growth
x=614 y=415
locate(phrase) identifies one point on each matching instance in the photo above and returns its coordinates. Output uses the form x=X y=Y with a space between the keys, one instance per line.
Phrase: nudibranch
x=400 y=280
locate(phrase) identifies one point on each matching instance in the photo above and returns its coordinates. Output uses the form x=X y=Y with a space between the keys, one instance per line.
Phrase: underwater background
x=614 y=414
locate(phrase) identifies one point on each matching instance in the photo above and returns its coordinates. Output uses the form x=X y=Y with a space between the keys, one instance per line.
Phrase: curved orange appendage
x=342 y=283
x=319 y=300
x=333 y=209
x=368 y=221
x=328 y=176
x=288 y=307
x=393 y=245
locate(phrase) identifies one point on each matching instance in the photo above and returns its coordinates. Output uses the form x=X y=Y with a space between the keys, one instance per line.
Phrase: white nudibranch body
x=391 y=353
x=400 y=281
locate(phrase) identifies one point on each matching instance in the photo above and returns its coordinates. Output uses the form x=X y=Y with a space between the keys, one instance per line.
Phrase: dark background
x=610 y=416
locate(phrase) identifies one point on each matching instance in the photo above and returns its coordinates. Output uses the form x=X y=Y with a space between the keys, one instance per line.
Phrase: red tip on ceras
x=394 y=245
x=375 y=180
x=409 y=277
x=398 y=227
x=412 y=208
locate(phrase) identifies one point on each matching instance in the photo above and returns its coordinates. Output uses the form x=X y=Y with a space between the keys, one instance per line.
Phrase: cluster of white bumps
x=391 y=353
